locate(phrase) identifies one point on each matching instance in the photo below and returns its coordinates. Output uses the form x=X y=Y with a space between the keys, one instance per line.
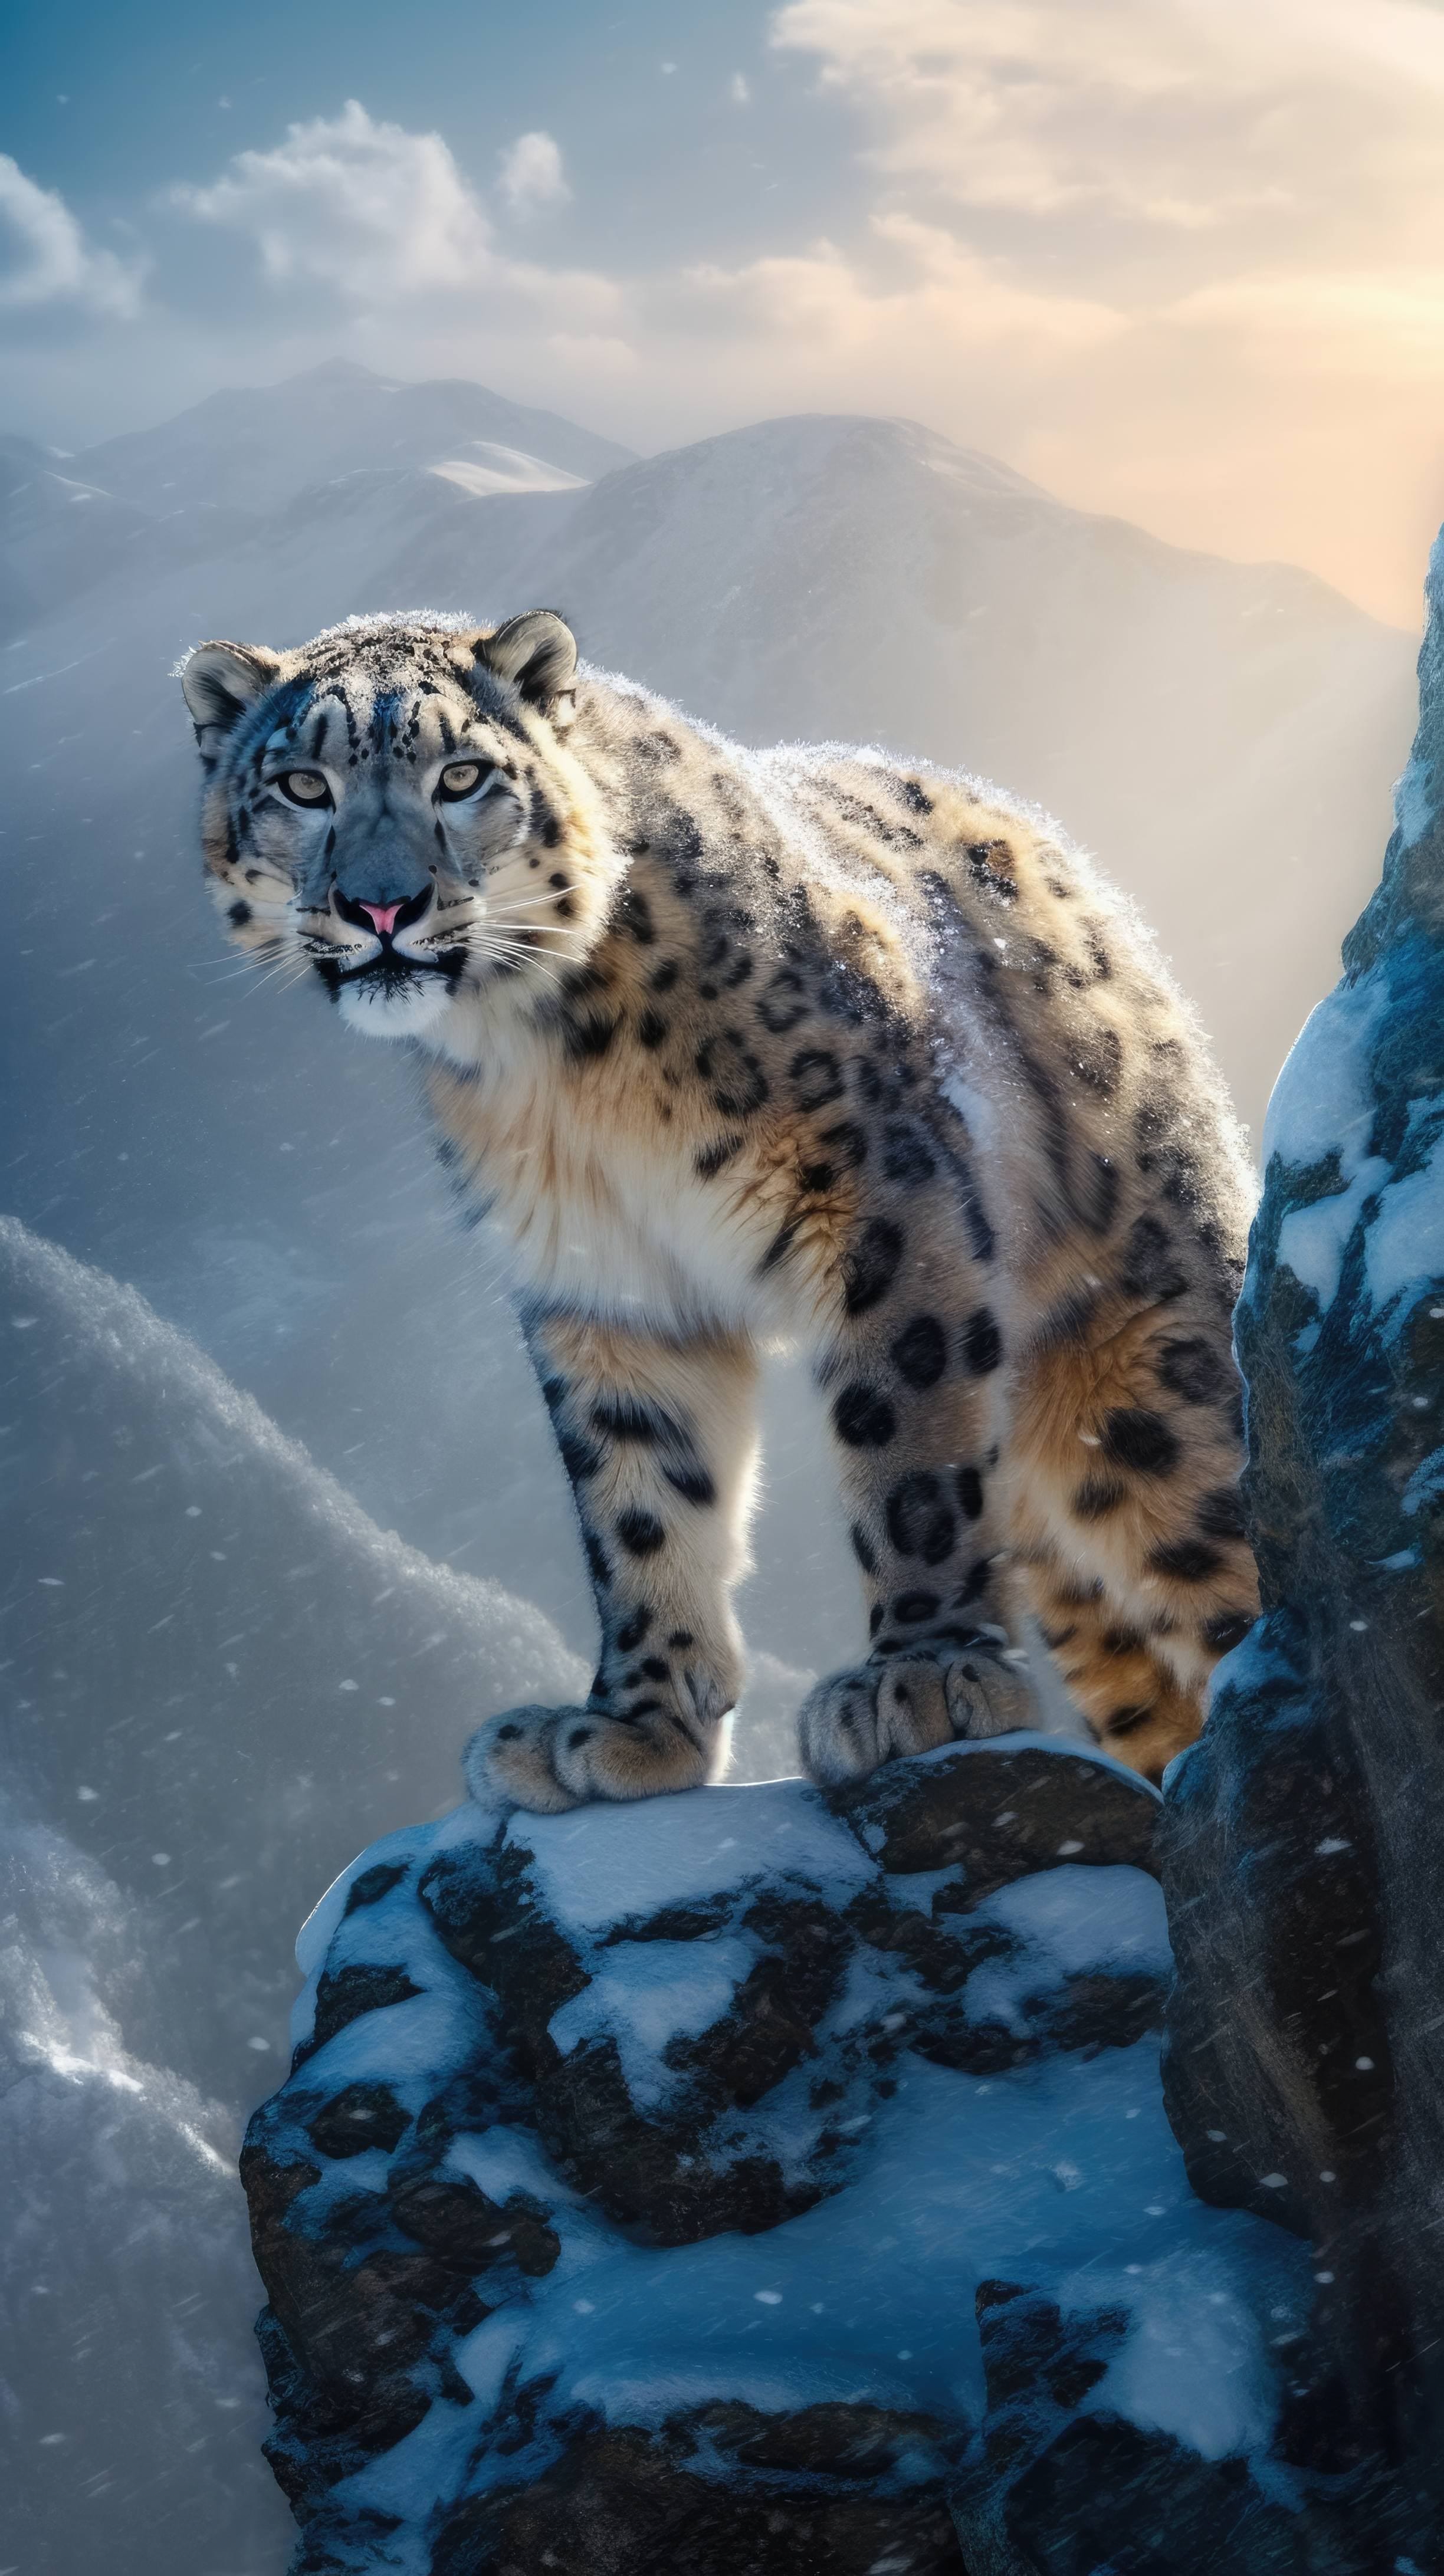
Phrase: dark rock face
x=617 y=2502
x=738 y=2183
x=1305 y=2071
x=1052 y=1806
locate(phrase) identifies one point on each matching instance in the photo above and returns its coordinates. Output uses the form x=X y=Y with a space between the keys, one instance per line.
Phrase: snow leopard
x=810 y=1047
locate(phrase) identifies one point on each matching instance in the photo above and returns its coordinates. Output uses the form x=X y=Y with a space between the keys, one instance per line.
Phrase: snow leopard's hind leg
x=1136 y=1708
x=657 y=1437
x=1127 y=1520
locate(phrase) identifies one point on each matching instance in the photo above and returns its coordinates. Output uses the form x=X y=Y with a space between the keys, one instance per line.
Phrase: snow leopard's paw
x=549 y=1759
x=899 y=1704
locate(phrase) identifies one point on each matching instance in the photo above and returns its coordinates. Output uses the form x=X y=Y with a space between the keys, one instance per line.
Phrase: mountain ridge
x=334 y=410
x=93 y=463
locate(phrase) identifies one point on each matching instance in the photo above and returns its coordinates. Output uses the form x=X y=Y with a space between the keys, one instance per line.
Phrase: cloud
x=359 y=205
x=386 y=219
x=385 y=216
x=1249 y=187
x=738 y=90
x=1319 y=325
x=1171 y=114
x=531 y=175
x=45 y=259
x=879 y=309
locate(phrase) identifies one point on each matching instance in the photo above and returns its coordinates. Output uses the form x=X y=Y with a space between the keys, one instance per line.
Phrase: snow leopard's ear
x=537 y=653
x=220 y=681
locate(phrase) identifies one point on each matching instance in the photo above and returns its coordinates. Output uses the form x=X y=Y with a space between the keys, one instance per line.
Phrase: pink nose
x=383 y=914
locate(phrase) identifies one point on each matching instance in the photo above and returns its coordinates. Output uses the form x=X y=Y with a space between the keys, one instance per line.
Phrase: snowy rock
x=1302 y=1849
x=748 y=2181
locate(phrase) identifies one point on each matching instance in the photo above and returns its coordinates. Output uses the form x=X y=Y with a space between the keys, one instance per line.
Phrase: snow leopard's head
x=396 y=803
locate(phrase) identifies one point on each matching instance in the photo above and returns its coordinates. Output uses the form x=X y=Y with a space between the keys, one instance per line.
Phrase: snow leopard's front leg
x=913 y=1382
x=657 y=1435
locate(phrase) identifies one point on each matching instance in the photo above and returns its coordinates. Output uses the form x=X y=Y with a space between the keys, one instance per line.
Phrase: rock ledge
x=746 y=2181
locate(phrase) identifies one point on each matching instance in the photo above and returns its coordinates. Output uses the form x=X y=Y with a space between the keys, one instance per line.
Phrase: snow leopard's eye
x=462 y=778
x=304 y=787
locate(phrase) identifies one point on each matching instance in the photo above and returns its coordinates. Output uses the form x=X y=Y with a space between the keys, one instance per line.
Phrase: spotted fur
x=805 y=1045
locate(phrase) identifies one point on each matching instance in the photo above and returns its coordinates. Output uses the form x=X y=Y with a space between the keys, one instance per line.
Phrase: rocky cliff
x=1306 y=2060
x=745 y=2182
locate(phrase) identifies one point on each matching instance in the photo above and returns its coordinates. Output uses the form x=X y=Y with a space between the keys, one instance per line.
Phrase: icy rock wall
x=748 y=2182
x=1305 y=2070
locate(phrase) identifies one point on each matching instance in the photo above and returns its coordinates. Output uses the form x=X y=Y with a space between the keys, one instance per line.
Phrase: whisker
x=533 y=931
x=517 y=941
x=279 y=979
x=233 y=959
x=535 y=902
x=548 y=973
x=255 y=970
x=492 y=930
x=522 y=902
x=526 y=930
x=523 y=938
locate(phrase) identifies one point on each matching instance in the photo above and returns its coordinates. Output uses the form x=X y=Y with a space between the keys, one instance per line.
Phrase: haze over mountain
x=1224 y=736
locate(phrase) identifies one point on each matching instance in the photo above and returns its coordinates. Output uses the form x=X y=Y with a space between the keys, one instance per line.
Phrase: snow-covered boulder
x=1303 y=1857
x=752 y=2181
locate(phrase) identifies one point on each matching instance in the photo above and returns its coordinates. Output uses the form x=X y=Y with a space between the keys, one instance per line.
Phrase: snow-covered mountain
x=131 y=2399
x=221 y=1672
x=258 y=448
x=218 y=1675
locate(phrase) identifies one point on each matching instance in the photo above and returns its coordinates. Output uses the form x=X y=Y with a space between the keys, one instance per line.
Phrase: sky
x=1180 y=260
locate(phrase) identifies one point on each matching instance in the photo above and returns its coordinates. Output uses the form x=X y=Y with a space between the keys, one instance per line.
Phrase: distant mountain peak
x=259 y=448
x=808 y=439
x=335 y=371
